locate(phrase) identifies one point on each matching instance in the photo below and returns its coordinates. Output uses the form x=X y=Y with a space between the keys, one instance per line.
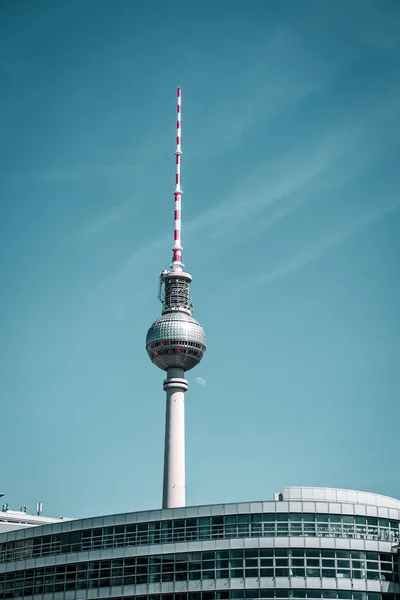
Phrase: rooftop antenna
x=39 y=508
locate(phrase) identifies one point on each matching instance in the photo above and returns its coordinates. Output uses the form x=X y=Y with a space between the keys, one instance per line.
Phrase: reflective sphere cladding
x=176 y=339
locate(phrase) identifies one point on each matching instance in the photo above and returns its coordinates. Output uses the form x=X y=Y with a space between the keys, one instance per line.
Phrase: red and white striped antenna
x=177 y=264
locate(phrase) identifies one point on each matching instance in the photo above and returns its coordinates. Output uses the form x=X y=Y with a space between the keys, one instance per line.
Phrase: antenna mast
x=177 y=264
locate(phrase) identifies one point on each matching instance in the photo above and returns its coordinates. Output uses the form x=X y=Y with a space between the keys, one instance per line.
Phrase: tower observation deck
x=175 y=343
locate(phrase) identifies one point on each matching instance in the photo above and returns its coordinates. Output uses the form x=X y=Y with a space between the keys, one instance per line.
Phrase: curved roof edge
x=286 y=501
x=323 y=494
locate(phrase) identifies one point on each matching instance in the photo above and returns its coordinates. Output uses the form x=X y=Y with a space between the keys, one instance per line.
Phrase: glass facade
x=196 y=566
x=204 y=528
x=255 y=594
x=315 y=549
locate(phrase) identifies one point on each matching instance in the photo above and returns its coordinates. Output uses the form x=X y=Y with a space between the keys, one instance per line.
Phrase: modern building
x=10 y=520
x=306 y=543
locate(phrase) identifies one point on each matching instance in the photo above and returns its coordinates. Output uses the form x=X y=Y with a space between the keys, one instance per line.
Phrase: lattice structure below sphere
x=176 y=340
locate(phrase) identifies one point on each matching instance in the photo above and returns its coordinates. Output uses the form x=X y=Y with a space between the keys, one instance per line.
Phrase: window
x=281 y=562
x=297 y=562
x=312 y=562
x=328 y=563
x=279 y=572
x=297 y=572
x=312 y=572
x=328 y=572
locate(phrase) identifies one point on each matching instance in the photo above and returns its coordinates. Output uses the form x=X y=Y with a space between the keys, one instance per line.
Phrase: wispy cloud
x=332 y=240
x=268 y=195
x=227 y=216
x=80 y=172
x=101 y=223
x=142 y=254
x=275 y=190
x=72 y=173
x=266 y=90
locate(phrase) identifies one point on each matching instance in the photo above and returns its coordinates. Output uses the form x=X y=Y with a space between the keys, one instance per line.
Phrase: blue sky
x=291 y=229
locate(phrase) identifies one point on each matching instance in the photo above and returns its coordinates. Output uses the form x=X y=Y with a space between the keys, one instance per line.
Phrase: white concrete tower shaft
x=174 y=453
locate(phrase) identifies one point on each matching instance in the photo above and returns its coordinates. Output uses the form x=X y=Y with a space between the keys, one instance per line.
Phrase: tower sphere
x=176 y=339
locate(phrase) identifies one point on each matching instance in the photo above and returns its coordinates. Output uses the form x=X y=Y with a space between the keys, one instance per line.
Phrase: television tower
x=176 y=343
